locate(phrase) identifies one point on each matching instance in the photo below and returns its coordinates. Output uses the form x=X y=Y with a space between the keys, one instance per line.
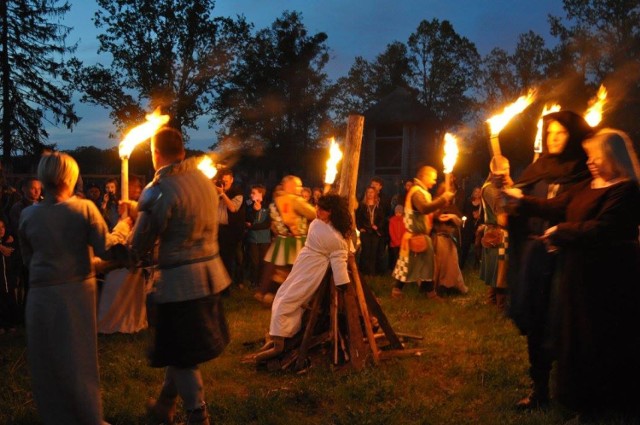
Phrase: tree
x=278 y=95
x=600 y=43
x=368 y=82
x=446 y=69
x=34 y=73
x=165 y=53
x=498 y=79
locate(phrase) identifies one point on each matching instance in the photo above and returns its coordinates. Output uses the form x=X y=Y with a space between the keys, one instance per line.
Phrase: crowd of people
x=557 y=248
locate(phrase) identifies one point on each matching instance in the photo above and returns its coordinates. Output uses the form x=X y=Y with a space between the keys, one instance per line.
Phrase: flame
x=537 y=144
x=207 y=167
x=335 y=155
x=593 y=115
x=450 y=152
x=142 y=132
x=499 y=121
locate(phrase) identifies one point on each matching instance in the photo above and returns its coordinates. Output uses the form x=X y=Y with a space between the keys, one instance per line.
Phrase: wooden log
x=357 y=348
x=350 y=161
x=376 y=310
x=313 y=319
x=364 y=311
x=334 y=324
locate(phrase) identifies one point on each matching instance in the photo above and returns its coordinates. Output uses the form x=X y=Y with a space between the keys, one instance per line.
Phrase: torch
x=537 y=144
x=207 y=167
x=134 y=137
x=593 y=115
x=499 y=121
x=335 y=155
x=449 y=159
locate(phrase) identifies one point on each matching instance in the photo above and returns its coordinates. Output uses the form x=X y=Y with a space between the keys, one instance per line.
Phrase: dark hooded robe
x=531 y=270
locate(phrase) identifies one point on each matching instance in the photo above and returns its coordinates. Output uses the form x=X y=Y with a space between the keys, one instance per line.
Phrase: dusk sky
x=355 y=28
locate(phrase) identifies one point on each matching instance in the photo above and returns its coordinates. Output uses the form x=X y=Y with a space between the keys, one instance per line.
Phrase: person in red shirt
x=396 y=230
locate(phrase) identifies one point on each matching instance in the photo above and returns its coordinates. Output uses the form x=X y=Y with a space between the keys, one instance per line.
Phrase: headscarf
x=619 y=150
x=570 y=165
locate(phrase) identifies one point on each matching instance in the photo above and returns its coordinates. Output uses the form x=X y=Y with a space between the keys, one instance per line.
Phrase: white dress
x=325 y=246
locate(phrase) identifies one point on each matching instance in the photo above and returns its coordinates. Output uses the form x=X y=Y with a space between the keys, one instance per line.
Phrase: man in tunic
x=495 y=241
x=416 y=259
x=178 y=209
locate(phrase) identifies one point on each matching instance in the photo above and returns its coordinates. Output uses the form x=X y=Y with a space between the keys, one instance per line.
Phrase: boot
x=491 y=295
x=162 y=410
x=429 y=288
x=198 y=416
x=501 y=299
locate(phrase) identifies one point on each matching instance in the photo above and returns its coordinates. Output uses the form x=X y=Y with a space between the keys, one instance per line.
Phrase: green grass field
x=472 y=371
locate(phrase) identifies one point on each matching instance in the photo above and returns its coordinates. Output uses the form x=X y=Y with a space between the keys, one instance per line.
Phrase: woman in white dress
x=326 y=245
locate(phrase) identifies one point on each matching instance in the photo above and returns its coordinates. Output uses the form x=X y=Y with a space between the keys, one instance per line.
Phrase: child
x=396 y=230
x=258 y=223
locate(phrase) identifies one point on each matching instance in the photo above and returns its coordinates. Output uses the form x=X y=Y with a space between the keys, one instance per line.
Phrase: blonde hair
x=58 y=171
x=619 y=152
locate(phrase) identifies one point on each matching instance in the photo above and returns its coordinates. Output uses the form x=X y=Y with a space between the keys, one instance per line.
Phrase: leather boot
x=198 y=416
x=162 y=410
x=501 y=299
x=491 y=295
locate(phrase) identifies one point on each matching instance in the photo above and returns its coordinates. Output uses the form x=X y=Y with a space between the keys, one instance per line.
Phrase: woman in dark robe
x=599 y=296
x=561 y=165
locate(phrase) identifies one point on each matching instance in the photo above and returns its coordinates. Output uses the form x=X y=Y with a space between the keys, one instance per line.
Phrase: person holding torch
x=416 y=259
x=179 y=211
x=561 y=165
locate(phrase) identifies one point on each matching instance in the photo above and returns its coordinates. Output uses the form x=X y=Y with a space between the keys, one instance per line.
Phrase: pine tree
x=33 y=73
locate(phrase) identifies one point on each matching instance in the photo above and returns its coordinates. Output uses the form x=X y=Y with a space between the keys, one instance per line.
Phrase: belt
x=187 y=262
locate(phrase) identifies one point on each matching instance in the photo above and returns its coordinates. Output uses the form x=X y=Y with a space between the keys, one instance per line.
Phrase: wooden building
x=400 y=135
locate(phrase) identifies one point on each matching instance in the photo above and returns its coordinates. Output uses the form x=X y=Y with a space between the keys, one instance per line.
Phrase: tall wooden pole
x=351 y=160
x=347 y=187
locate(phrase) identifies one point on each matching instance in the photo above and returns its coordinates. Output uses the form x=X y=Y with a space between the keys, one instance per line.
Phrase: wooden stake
x=313 y=318
x=350 y=161
x=363 y=308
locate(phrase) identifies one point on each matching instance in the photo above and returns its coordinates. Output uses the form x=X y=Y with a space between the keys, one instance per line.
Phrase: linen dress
x=57 y=243
x=324 y=246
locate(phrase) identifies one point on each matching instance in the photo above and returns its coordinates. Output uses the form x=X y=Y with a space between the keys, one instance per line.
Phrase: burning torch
x=335 y=155
x=593 y=115
x=449 y=159
x=133 y=138
x=499 y=121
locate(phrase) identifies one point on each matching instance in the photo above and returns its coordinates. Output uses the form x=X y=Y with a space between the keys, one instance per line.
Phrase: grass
x=472 y=371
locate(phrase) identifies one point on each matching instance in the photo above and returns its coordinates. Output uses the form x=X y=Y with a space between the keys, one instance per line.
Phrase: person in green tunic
x=416 y=259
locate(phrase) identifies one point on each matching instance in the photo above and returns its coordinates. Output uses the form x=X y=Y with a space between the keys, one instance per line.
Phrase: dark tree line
x=266 y=90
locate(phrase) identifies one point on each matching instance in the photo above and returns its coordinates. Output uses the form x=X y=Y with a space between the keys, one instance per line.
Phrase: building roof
x=399 y=106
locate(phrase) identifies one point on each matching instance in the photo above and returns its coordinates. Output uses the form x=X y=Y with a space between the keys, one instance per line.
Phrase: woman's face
x=323 y=215
x=598 y=163
x=557 y=137
x=110 y=187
